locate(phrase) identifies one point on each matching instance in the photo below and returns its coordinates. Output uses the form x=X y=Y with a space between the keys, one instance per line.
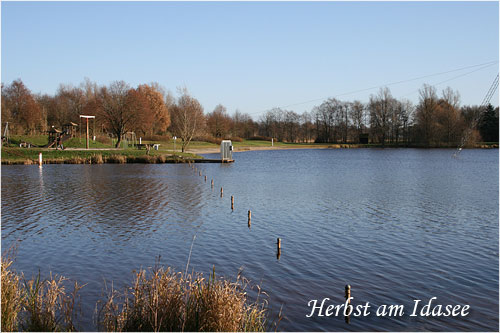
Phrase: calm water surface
x=396 y=225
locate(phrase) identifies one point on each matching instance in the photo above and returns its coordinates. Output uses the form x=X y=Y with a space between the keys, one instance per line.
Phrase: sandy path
x=243 y=149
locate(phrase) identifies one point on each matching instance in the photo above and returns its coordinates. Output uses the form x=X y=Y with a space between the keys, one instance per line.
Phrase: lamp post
x=175 y=138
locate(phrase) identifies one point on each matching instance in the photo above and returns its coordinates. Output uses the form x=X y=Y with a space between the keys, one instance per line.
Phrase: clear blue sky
x=253 y=56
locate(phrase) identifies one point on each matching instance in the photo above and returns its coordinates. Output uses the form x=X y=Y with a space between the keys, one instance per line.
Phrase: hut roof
x=70 y=124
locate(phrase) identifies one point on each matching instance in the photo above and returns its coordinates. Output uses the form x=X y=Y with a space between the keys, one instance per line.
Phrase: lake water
x=395 y=224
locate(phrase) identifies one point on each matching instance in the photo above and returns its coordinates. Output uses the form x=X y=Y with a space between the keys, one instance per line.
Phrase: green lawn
x=14 y=155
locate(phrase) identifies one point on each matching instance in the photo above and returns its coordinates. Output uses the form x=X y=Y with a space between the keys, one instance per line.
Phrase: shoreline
x=20 y=156
x=330 y=146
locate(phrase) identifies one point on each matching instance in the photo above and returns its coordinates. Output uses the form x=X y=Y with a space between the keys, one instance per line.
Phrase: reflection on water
x=396 y=225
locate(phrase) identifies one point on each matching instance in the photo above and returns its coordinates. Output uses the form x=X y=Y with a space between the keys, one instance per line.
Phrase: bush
x=116 y=159
x=261 y=138
x=96 y=159
x=155 y=138
x=209 y=138
x=236 y=139
x=104 y=139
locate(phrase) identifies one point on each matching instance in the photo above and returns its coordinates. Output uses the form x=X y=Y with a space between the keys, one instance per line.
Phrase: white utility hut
x=226 y=150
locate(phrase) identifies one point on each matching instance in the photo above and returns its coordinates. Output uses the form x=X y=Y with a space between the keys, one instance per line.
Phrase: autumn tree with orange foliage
x=19 y=106
x=157 y=118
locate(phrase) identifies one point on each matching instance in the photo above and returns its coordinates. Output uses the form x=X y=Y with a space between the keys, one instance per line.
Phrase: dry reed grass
x=47 y=307
x=116 y=159
x=11 y=297
x=36 y=305
x=161 y=300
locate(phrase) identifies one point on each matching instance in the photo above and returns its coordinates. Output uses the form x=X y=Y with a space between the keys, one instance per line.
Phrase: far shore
x=238 y=149
x=100 y=153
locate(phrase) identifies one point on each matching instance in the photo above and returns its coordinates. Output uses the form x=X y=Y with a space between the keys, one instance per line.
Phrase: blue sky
x=253 y=56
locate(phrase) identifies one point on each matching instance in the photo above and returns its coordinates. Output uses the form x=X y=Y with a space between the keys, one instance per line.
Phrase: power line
x=453 y=78
x=477 y=116
x=482 y=66
x=490 y=92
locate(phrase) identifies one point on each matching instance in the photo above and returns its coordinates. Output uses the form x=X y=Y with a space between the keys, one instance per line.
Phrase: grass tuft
x=36 y=305
x=11 y=297
x=161 y=300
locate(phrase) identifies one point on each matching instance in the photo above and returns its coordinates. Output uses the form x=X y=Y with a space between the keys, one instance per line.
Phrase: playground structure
x=70 y=129
x=57 y=137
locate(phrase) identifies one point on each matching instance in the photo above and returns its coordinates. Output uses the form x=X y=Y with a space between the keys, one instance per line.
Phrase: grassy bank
x=11 y=155
x=100 y=152
x=157 y=300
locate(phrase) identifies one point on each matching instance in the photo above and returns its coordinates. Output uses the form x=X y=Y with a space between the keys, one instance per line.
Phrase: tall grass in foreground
x=158 y=300
x=36 y=305
x=11 y=297
x=161 y=300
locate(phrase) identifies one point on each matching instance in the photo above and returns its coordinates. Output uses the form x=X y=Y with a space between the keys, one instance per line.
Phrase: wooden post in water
x=200 y=173
x=278 y=249
x=221 y=192
x=205 y=178
x=347 y=296
x=212 y=183
x=40 y=160
x=232 y=202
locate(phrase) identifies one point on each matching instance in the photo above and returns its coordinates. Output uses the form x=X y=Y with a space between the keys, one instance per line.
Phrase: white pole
x=140 y=140
x=272 y=142
x=40 y=160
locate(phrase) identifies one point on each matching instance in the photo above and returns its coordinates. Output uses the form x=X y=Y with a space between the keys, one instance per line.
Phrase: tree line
x=149 y=110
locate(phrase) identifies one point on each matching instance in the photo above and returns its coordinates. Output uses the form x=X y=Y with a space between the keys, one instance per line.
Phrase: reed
x=36 y=305
x=11 y=297
x=116 y=159
x=162 y=300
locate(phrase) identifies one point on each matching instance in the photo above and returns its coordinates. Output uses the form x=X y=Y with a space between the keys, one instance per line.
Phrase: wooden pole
x=87 y=133
x=278 y=249
x=347 y=296
x=40 y=160
x=232 y=202
x=212 y=183
x=205 y=179
x=249 y=216
x=221 y=192
x=199 y=173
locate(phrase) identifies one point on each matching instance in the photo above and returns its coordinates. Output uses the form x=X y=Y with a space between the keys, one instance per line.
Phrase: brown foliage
x=218 y=122
x=20 y=107
x=157 y=107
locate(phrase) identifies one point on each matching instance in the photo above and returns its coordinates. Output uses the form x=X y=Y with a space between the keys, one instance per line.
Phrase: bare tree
x=381 y=107
x=218 y=122
x=448 y=117
x=187 y=118
x=243 y=125
x=114 y=107
x=358 y=117
x=426 y=113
